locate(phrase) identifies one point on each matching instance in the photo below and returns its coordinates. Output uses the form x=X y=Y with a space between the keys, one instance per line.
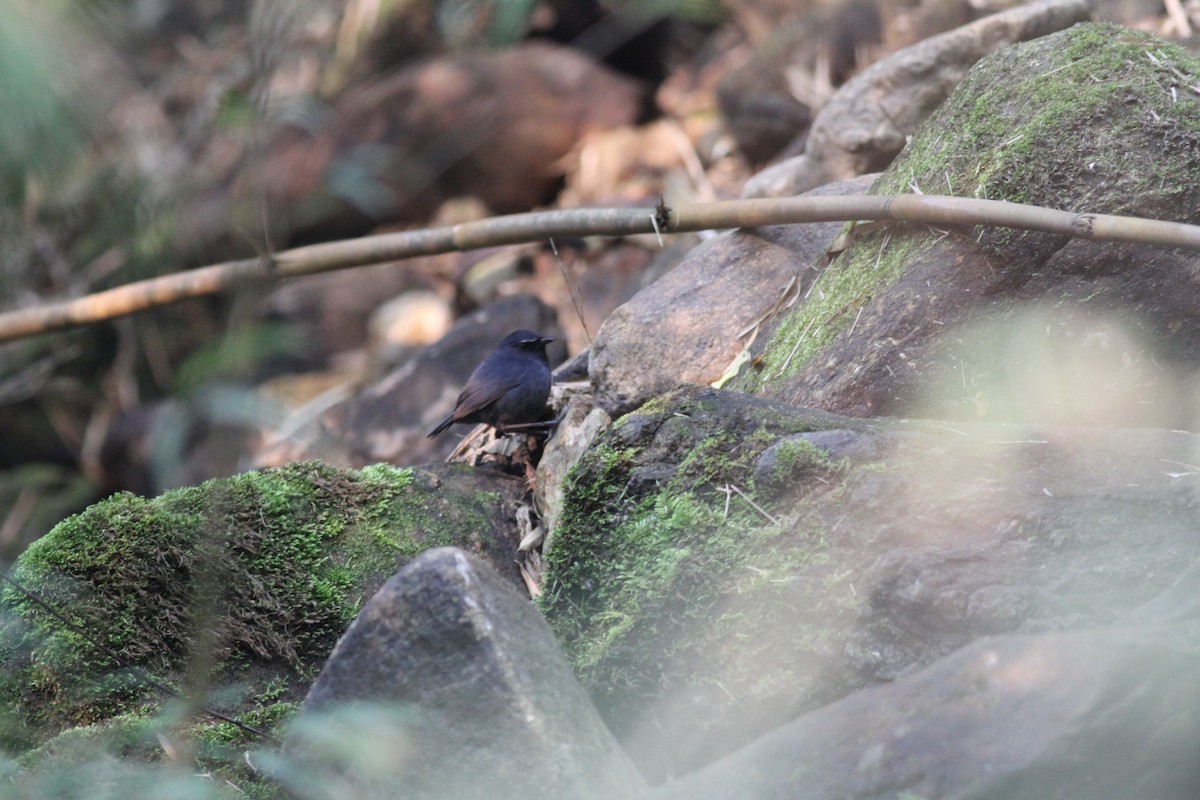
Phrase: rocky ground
x=833 y=511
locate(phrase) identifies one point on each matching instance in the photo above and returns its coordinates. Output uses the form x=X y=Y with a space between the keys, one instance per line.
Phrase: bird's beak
x=546 y=340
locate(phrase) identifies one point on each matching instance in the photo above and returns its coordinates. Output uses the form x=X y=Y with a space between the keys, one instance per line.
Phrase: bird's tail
x=441 y=426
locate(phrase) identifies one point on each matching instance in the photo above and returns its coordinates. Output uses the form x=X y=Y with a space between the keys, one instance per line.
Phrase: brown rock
x=771 y=99
x=331 y=312
x=688 y=326
x=488 y=124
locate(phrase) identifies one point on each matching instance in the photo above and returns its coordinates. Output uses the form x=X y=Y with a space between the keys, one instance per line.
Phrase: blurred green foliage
x=40 y=134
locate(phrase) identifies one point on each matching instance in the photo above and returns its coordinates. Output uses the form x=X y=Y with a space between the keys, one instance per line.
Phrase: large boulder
x=1098 y=715
x=977 y=323
x=254 y=576
x=501 y=121
x=448 y=685
x=689 y=325
x=723 y=564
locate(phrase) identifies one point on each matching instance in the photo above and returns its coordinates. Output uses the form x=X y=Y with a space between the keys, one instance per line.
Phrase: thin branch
x=542 y=225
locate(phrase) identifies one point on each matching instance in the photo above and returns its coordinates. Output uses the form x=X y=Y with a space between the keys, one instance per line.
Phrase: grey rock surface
x=1098 y=715
x=450 y=685
x=874 y=548
x=581 y=424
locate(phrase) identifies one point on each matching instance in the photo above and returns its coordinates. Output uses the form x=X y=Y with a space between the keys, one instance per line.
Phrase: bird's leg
x=545 y=426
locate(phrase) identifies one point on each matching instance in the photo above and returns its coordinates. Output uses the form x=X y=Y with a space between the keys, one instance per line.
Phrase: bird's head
x=527 y=341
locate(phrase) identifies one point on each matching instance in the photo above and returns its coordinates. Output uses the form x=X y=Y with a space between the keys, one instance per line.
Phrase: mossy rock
x=724 y=564
x=1097 y=118
x=665 y=544
x=235 y=590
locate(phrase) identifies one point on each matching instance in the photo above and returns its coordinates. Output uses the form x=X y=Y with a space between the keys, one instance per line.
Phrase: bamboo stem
x=541 y=225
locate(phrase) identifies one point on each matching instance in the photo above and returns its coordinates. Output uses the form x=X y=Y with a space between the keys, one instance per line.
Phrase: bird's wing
x=478 y=397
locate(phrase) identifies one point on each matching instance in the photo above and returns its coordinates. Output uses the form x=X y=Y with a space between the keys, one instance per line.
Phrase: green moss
x=1096 y=118
x=128 y=567
x=796 y=456
x=1068 y=126
x=845 y=287
x=124 y=735
x=625 y=589
x=272 y=564
x=265 y=717
x=119 y=754
x=664 y=543
x=714 y=457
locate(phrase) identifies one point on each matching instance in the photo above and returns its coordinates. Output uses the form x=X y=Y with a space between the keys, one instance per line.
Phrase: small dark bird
x=509 y=388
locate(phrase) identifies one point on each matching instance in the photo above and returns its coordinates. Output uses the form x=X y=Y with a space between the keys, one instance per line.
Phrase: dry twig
x=539 y=226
